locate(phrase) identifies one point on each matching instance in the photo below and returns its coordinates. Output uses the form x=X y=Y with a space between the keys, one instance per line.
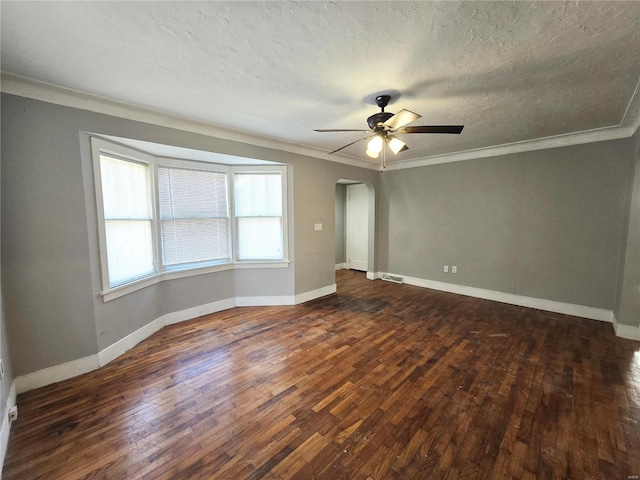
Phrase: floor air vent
x=391 y=278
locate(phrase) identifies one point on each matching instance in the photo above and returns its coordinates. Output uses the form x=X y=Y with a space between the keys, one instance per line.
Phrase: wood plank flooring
x=377 y=381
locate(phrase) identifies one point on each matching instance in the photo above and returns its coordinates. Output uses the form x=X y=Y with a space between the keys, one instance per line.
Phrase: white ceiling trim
x=25 y=87
x=557 y=141
x=46 y=92
x=632 y=113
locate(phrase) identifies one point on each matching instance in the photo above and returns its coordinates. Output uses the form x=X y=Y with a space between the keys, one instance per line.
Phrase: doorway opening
x=354 y=229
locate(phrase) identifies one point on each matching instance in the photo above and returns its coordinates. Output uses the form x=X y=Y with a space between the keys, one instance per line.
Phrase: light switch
x=318 y=227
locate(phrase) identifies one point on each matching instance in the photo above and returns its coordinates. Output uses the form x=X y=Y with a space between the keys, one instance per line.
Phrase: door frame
x=351 y=265
x=371 y=245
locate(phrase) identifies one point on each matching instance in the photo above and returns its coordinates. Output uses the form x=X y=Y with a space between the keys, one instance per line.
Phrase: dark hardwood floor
x=377 y=381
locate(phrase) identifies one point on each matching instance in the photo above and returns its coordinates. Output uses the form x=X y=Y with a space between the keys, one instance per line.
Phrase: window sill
x=127 y=288
x=265 y=264
x=122 y=290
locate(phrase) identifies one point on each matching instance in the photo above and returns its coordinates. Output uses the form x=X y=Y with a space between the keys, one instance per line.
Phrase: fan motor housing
x=377 y=118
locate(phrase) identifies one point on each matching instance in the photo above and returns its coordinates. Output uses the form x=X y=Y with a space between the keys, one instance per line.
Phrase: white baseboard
x=195 y=312
x=512 y=299
x=317 y=293
x=373 y=275
x=5 y=429
x=630 y=332
x=58 y=373
x=115 y=350
x=341 y=266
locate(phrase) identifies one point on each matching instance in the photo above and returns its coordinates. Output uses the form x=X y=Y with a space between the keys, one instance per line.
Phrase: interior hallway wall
x=547 y=224
x=627 y=309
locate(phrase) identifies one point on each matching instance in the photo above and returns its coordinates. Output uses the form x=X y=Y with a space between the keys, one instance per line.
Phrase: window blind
x=258 y=210
x=128 y=219
x=194 y=219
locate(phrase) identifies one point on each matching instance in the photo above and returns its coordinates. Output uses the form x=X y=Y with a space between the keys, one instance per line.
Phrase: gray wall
x=314 y=200
x=7 y=379
x=341 y=203
x=554 y=224
x=627 y=310
x=51 y=274
x=546 y=224
x=46 y=278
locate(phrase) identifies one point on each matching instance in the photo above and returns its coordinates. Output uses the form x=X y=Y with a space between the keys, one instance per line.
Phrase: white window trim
x=117 y=151
x=100 y=146
x=234 y=226
x=191 y=165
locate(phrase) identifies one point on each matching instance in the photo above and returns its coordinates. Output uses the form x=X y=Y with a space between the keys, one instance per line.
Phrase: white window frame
x=282 y=170
x=100 y=146
x=194 y=165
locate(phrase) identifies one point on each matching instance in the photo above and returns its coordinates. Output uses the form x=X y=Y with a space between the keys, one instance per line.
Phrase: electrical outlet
x=318 y=227
x=454 y=269
x=446 y=269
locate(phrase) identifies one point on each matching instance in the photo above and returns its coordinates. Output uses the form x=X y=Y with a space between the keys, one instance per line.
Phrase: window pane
x=258 y=194
x=260 y=238
x=195 y=240
x=258 y=212
x=128 y=219
x=129 y=250
x=191 y=193
x=194 y=216
x=125 y=189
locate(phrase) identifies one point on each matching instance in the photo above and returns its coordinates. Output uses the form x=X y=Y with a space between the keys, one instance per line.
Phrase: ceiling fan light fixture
x=395 y=144
x=372 y=154
x=382 y=127
x=375 y=145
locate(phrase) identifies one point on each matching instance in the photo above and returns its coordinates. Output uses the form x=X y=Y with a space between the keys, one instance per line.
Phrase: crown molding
x=629 y=125
x=632 y=113
x=46 y=92
x=557 y=141
x=26 y=87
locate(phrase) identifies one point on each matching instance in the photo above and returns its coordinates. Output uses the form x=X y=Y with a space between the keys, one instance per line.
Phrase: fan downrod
x=376 y=120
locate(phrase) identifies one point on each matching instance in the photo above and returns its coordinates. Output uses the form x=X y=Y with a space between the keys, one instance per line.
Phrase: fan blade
x=349 y=144
x=400 y=119
x=432 y=129
x=338 y=130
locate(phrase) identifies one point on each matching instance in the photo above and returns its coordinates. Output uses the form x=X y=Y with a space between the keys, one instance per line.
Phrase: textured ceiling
x=508 y=71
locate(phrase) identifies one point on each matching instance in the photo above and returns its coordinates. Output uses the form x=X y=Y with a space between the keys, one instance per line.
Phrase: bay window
x=164 y=217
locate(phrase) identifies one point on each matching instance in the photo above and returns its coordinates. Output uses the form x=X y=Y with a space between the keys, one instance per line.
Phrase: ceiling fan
x=385 y=125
